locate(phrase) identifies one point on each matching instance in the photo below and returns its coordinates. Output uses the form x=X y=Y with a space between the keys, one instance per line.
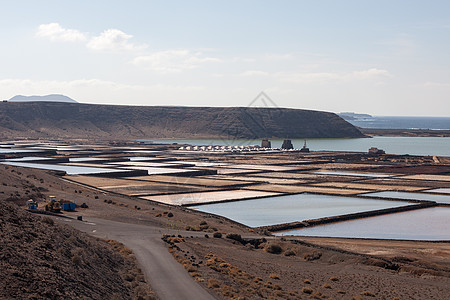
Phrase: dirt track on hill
x=166 y=276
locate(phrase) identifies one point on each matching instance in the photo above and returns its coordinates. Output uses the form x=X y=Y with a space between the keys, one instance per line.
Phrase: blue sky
x=376 y=57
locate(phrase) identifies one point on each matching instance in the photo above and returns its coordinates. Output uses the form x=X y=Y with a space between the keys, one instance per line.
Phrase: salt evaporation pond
x=292 y=208
x=352 y=174
x=439 y=190
x=411 y=196
x=10 y=151
x=431 y=224
x=86 y=159
x=30 y=158
x=70 y=170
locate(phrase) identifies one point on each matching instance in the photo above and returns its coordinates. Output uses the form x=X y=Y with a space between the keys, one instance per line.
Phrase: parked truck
x=53 y=205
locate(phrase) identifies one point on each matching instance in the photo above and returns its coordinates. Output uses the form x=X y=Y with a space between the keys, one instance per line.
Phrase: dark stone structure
x=376 y=151
x=287 y=144
x=266 y=143
x=304 y=149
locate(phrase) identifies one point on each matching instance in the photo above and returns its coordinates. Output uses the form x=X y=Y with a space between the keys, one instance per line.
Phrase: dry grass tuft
x=274 y=276
x=213 y=283
x=273 y=248
x=334 y=278
x=367 y=293
x=312 y=255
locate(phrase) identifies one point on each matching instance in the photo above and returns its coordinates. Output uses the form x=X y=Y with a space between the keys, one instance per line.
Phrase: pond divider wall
x=347 y=217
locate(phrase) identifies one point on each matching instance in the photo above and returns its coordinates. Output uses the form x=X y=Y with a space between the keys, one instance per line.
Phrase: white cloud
x=108 y=40
x=170 y=61
x=372 y=74
x=276 y=56
x=55 y=32
x=254 y=73
x=437 y=84
x=307 y=77
x=112 y=40
x=101 y=91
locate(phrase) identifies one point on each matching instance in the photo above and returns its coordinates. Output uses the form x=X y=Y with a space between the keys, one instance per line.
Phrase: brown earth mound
x=68 y=120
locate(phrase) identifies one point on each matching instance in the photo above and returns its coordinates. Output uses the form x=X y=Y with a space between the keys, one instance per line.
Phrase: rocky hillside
x=67 y=120
x=40 y=259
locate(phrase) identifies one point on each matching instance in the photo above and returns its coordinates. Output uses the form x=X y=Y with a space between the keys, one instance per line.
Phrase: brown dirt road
x=166 y=276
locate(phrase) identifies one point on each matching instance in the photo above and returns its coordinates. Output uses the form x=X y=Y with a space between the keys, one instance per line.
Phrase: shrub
x=367 y=293
x=48 y=220
x=217 y=235
x=76 y=259
x=334 y=278
x=234 y=236
x=274 y=276
x=289 y=253
x=307 y=290
x=128 y=277
x=273 y=248
x=312 y=255
x=213 y=283
x=170 y=215
x=189 y=267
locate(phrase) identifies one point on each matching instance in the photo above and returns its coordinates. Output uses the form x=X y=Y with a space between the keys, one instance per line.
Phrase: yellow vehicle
x=53 y=205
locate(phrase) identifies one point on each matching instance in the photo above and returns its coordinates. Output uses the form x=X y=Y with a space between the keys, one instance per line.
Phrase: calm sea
x=387 y=122
x=439 y=146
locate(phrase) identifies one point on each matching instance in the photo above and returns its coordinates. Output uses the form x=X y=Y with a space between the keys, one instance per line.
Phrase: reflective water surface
x=291 y=208
x=412 y=196
x=392 y=145
x=422 y=224
x=70 y=170
x=352 y=174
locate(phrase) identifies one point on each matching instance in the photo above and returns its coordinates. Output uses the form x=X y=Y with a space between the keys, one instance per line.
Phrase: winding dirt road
x=165 y=275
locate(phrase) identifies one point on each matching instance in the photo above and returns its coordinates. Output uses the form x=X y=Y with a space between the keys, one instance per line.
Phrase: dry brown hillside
x=69 y=120
x=40 y=259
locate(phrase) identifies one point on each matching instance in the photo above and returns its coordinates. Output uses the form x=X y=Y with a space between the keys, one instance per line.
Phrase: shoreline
x=405 y=132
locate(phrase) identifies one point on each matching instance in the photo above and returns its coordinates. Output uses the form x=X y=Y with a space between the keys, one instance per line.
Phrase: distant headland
x=46 y=98
x=88 y=121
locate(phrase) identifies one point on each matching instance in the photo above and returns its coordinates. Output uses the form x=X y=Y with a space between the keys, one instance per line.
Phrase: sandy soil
x=301 y=270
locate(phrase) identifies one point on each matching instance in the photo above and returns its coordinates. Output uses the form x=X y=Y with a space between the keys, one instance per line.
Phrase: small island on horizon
x=45 y=98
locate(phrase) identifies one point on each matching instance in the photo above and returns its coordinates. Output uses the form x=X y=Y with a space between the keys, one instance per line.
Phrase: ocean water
x=389 y=122
x=439 y=146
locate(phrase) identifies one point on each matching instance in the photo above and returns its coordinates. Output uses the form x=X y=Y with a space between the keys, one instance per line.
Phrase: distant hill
x=353 y=116
x=74 y=120
x=46 y=98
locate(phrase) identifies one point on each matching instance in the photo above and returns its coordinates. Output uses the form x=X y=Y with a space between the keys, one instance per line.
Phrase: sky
x=376 y=57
